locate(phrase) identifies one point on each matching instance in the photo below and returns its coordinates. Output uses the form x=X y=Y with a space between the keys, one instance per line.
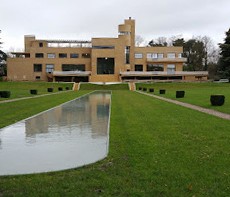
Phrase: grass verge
x=195 y=93
x=156 y=149
x=14 y=111
x=22 y=89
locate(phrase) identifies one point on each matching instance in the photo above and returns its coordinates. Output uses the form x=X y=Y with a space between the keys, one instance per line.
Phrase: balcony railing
x=166 y=59
x=71 y=73
x=161 y=73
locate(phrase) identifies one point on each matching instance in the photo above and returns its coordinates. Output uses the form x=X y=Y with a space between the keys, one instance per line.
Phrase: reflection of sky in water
x=68 y=136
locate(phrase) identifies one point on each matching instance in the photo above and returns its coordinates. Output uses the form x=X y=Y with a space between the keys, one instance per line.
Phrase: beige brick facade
x=98 y=60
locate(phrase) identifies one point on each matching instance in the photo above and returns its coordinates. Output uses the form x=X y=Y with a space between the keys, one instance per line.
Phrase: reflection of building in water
x=99 y=113
x=89 y=112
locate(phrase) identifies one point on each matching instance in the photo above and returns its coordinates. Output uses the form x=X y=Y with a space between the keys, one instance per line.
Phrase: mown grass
x=89 y=86
x=14 y=111
x=156 y=149
x=22 y=89
x=195 y=93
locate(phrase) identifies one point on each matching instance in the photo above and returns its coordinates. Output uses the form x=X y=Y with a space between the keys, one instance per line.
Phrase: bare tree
x=139 y=40
x=211 y=52
x=162 y=41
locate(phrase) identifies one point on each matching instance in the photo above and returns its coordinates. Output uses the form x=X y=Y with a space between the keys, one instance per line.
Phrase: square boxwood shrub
x=140 y=88
x=217 y=100
x=145 y=89
x=60 y=88
x=67 y=88
x=5 y=94
x=180 y=94
x=151 y=89
x=162 y=91
x=33 y=92
x=50 y=89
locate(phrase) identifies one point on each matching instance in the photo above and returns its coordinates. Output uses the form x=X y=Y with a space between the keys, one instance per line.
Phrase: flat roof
x=66 y=41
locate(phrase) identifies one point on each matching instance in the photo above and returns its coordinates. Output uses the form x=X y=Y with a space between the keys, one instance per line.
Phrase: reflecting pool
x=68 y=136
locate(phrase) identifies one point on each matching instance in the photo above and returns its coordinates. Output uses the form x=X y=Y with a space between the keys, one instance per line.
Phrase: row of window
x=65 y=67
x=156 y=67
x=63 y=55
x=104 y=66
x=157 y=55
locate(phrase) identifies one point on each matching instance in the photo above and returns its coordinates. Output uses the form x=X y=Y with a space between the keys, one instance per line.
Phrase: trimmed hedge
x=5 y=94
x=161 y=91
x=151 y=89
x=180 y=94
x=217 y=100
x=50 y=89
x=33 y=92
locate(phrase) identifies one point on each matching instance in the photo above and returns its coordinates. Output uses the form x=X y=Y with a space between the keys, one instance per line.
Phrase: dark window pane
x=138 y=67
x=85 y=55
x=37 y=67
x=62 y=55
x=39 y=55
x=73 y=67
x=74 y=55
x=105 y=66
x=155 y=67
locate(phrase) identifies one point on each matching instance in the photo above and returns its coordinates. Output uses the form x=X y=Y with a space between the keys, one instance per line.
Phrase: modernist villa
x=99 y=60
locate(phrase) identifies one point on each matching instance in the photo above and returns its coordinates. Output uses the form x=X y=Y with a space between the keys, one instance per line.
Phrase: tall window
x=105 y=66
x=171 y=68
x=73 y=67
x=40 y=44
x=39 y=55
x=127 y=55
x=49 y=68
x=171 y=55
x=51 y=55
x=180 y=55
x=37 y=67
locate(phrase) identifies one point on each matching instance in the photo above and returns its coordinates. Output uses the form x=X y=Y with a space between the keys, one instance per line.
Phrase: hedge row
x=49 y=90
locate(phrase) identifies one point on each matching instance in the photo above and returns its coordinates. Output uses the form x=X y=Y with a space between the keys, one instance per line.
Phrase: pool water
x=68 y=136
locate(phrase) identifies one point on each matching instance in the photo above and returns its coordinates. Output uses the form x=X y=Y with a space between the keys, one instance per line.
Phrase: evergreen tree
x=3 y=58
x=224 y=62
x=194 y=51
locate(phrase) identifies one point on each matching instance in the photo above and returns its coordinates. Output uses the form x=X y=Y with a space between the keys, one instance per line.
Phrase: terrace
x=71 y=73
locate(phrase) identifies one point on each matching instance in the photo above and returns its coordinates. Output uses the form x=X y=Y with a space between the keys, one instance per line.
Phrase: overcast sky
x=84 y=19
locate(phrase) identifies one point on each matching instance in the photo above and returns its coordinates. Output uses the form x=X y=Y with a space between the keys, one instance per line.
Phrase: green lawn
x=195 y=93
x=22 y=89
x=156 y=149
x=12 y=112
